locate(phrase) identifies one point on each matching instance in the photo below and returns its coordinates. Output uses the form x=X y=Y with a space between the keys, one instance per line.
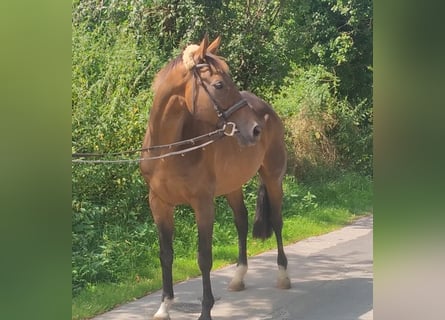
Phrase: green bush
x=112 y=231
x=323 y=130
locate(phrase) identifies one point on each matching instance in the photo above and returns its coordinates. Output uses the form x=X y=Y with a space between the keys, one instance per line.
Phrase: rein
x=227 y=129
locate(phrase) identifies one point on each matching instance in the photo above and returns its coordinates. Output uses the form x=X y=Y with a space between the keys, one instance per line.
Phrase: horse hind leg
x=236 y=202
x=268 y=217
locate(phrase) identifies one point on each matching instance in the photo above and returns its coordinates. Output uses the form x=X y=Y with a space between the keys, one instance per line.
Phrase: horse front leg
x=236 y=202
x=205 y=215
x=163 y=217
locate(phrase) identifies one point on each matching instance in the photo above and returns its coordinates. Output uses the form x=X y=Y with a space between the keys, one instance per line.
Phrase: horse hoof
x=162 y=313
x=237 y=282
x=283 y=283
x=236 y=286
x=161 y=317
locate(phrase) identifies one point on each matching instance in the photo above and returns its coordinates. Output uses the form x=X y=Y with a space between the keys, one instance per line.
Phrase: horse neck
x=167 y=119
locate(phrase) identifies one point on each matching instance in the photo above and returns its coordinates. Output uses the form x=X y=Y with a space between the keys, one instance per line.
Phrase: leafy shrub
x=113 y=236
x=353 y=135
x=304 y=103
x=322 y=129
x=335 y=34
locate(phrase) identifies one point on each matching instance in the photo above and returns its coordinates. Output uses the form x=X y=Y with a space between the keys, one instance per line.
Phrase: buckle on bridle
x=230 y=129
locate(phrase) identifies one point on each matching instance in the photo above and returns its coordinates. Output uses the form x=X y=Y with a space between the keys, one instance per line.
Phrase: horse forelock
x=188 y=61
x=188 y=56
x=215 y=61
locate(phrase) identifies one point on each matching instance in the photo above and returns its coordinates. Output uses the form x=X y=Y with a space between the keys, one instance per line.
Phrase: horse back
x=275 y=154
x=259 y=105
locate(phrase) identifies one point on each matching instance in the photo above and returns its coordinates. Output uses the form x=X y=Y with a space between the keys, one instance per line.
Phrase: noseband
x=220 y=112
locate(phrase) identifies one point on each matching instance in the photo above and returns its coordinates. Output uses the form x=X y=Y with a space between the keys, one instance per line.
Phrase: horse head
x=213 y=97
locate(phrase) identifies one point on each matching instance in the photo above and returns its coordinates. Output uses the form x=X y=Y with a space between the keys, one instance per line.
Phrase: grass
x=308 y=210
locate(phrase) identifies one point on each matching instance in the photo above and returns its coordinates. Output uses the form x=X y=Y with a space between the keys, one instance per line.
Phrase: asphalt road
x=331 y=275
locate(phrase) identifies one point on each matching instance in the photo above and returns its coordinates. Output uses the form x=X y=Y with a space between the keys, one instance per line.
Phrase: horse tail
x=262 y=227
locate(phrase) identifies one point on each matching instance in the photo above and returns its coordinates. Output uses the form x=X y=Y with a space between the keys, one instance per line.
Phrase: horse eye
x=218 y=85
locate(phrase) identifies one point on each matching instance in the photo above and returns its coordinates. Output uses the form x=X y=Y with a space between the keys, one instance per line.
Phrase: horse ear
x=213 y=47
x=203 y=47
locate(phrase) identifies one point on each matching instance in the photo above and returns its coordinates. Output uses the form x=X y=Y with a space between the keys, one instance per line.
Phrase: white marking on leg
x=283 y=281
x=282 y=272
x=237 y=282
x=162 y=312
x=240 y=272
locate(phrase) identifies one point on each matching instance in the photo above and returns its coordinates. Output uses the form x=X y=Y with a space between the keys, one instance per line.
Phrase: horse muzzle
x=250 y=136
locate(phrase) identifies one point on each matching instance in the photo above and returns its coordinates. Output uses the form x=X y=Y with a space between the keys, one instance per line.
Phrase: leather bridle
x=223 y=114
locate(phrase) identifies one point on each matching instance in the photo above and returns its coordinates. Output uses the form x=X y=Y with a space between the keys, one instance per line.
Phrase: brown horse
x=195 y=95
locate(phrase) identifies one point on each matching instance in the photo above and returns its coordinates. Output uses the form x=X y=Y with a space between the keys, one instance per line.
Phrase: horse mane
x=185 y=59
x=164 y=72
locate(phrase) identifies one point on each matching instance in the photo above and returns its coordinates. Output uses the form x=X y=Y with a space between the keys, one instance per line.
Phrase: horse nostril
x=257 y=131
